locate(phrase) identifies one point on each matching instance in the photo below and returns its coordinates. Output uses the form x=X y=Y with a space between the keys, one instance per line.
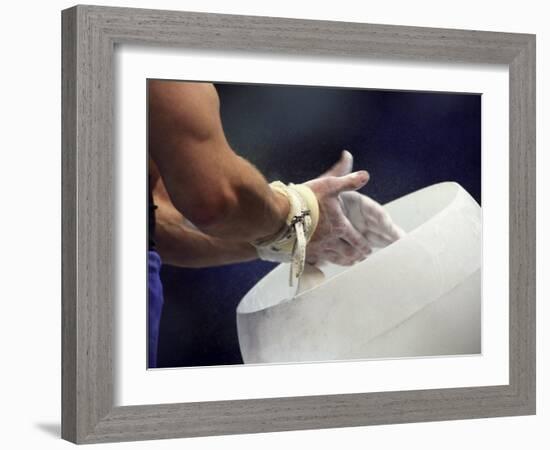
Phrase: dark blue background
x=406 y=140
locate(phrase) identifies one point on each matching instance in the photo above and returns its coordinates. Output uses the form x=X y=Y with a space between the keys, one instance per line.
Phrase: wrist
x=282 y=207
x=282 y=211
x=289 y=244
x=310 y=199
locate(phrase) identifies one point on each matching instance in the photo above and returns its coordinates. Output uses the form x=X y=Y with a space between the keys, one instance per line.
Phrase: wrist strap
x=289 y=244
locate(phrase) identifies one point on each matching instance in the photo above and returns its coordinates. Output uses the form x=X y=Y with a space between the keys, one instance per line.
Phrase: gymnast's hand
x=335 y=239
x=370 y=219
x=350 y=224
x=366 y=215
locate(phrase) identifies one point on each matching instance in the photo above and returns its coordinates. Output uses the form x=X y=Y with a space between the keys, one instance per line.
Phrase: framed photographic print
x=279 y=224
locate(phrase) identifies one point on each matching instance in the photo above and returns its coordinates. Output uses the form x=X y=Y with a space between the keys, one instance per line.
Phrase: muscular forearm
x=180 y=244
x=230 y=202
x=185 y=247
x=257 y=211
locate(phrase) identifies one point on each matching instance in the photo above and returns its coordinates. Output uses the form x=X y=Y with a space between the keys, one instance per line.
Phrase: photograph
x=279 y=223
x=301 y=224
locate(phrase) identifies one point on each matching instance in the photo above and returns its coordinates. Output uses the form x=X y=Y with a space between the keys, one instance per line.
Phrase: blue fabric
x=155 y=301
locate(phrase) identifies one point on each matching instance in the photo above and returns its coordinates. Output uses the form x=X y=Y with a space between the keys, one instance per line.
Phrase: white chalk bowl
x=420 y=296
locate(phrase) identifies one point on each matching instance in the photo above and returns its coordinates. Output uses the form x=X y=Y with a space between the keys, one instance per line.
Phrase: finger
x=348 y=252
x=370 y=209
x=331 y=257
x=389 y=232
x=376 y=240
x=369 y=232
x=354 y=238
x=350 y=182
x=388 y=228
x=344 y=205
x=337 y=256
x=342 y=167
x=379 y=219
x=395 y=232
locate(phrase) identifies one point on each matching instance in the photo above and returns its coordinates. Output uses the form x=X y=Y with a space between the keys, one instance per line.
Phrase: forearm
x=229 y=198
x=185 y=247
x=180 y=244
x=257 y=211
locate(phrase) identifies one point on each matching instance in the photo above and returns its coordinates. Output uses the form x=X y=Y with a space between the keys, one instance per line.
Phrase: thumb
x=342 y=167
x=350 y=182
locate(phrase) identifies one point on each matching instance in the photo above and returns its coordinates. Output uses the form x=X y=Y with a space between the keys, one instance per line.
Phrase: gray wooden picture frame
x=90 y=34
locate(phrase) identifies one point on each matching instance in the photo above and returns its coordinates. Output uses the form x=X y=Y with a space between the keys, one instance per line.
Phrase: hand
x=373 y=224
x=336 y=240
x=370 y=219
